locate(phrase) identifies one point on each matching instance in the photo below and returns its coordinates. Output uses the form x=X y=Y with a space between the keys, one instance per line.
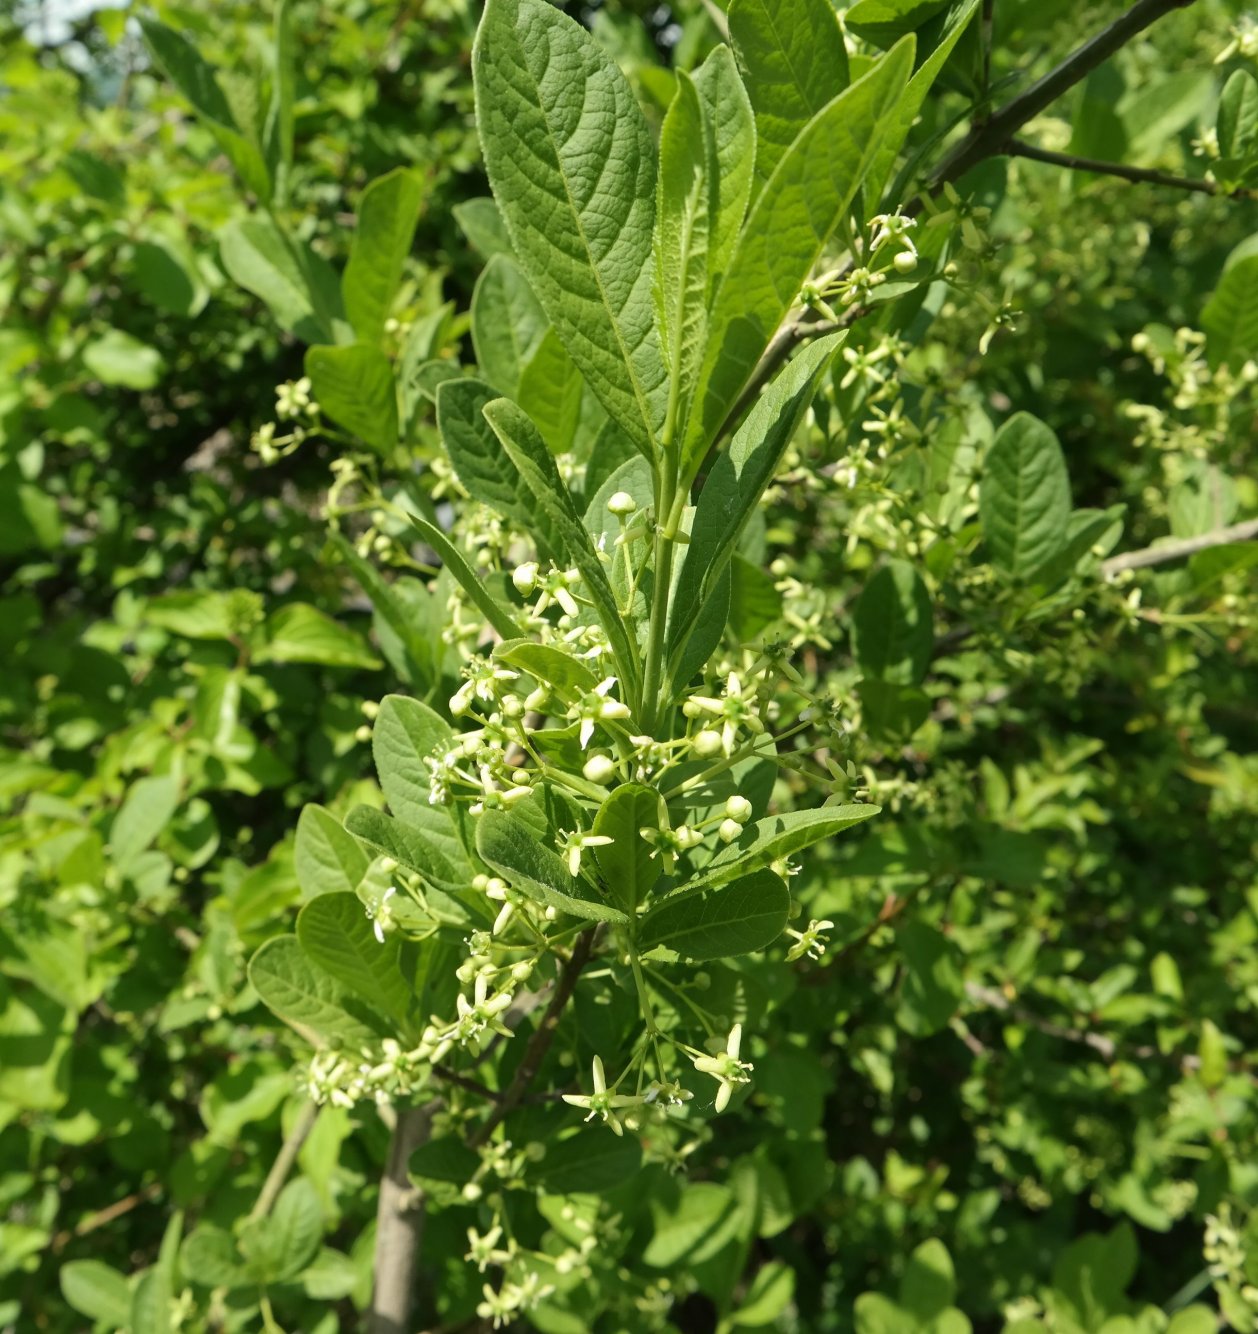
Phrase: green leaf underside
x=512 y=848
x=328 y=860
x=424 y=840
x=572 y=166
x=794 y=61
x=508 y=324
x=311 y=1000
x=1024 y=497
x=728 y=117
x=785 y=235
x=737 y=918
x=405 y=733
x=467 y=578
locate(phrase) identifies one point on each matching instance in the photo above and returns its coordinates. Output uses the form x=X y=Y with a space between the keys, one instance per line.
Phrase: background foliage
x=1016 y=1086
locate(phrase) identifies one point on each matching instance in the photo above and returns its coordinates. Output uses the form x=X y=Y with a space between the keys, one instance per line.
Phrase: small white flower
x=601 y=1102
x=725 y=1067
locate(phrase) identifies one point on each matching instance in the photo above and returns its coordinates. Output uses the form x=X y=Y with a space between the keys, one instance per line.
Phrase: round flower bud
x=388 y=865
x=622 y=503
x=472 y=1191
x=905 y=262
x=599 y=769
x=739 y=809
x=729 y=830
x=524 y=577
x=707 y=743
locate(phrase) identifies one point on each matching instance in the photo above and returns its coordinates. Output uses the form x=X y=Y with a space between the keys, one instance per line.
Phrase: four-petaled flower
x=725 y=1067
x=573 y=845
x=602 y=1102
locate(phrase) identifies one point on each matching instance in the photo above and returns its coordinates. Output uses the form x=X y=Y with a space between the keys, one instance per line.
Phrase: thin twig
x=448 y=1076
x=284 y=1160
x=539 y=1043
x=1188 y=546
x=107 y=1215
x=1140 y=175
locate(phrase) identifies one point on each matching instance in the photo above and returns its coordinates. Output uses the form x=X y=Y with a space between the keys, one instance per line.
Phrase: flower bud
x=729 y=830
x=599 y=769
x=622 y=503
x=905 y=262
x=706 y=743
x=739 y=809
x=524 y=577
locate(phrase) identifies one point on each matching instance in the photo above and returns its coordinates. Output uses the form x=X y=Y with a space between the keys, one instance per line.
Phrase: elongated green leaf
x=900 y=121
x=737 y=918
x=789 y=226
x=397 y=614
x=1024 y=497
x=1230 y=317
x=626 y=864
x=354 y=386
x=550 y=391
x=554 y=507
x=482 y=224
x=95 y=1290
x=545 y=663
x=772 y=838
x=891 y=626
x=572 y=166
x=454 y=561
x=886 y=21
x=302 y=633
x=337 y=937
x=688 y=167
x=587 y=1162
x=150 y=803
x=933 y=981
x=1237 y=123
x=737 y=482
x=754 y=602
x=406 y=733
x=299 y=288
x=278 y=1247
x=794 y=61
x=729 y=121
x=387 y=214
x=424 y=841
x=511 y=847
x=312 y=1001
x=277 y=136
x=327 y=859
x=508 y=324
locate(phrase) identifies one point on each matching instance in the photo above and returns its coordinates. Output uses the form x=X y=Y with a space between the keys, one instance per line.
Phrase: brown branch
x=399 y=1224
x=284 y=1160
x=1139 y=175
x=1189 y=546
x=539 y=1043
x=107 y=1215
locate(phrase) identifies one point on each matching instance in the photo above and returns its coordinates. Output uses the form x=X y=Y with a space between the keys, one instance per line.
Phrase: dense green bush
x=303 y=684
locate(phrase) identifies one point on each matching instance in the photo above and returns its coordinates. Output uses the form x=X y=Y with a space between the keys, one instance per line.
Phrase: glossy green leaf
x=546 y=663
x=794 y=62
x=337 y=937
x=278 y=1247
x=626 y=864
x=328 y=860
x=572 y=166
x=789 y=226
x=508 y=324
x=754 y=602
x=1024 y=497
x=737 y=918
x=394 y=612
x=387 y=214
x=511 y=847
x=892 y=632
x=278 y=132
x=482 y=224
x=311 y=1000
x=406 y=733
x=354 y=386
x=589 y=1161
x=117 y=358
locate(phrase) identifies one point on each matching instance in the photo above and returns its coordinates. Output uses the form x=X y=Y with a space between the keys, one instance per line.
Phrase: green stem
x=665 y=543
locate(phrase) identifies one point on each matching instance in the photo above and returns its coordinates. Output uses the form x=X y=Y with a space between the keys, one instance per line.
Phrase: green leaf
x=508 y=324
x=195 y=614
x=788 y=229
x=933 y=982
x=424 y=840
x=405 y=733
x=354 y=386
x=117 y=358
x=774 y=837
x=278 y=1247
x=550 y=391
x=150 y=803
x=591 y=1161
x=327 y=859
x=572 y=166
x=929 y=1284
x=277 y=135
x=625 y=864
x=901 y=120
x=467 y=578
x=1024 y=497
x=556 y=515
x=387 y=213
x=688 y=168
x=736 y=483
x=883 y=22
x=337 y=937
x=546 y=663
x=482 y=224
x=311 y=1000
x=511 y=847
x=393 y=611
x=729 y=121
x=737 y=918
x=754 y=603
x=1230 y=317
x=767 y=1298
x=891 y=626
x=299 y=632
x=794 y=61
x=97 y=1291
x=1237 y=123
x=298 y=287
x=1212 y=1054
x=151 y=1302
x=211 y=1260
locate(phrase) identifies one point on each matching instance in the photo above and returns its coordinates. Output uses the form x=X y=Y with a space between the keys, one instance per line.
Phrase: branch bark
x=1189 y=546
x=1139 y=175
x=284 y=1160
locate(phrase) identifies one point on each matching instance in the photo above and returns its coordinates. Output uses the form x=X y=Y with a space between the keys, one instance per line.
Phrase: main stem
x=665 y=543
